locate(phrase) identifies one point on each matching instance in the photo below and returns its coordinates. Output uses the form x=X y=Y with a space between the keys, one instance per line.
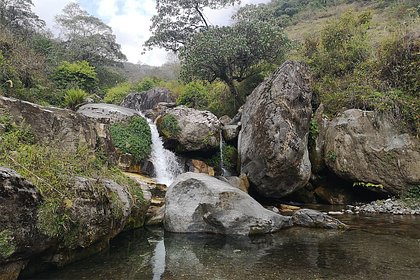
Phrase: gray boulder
x=315 y=219
x=146 y=100
x=196 y=202
x=274 y=136
x=198 y=130
x=106 y=113
x=364 y=146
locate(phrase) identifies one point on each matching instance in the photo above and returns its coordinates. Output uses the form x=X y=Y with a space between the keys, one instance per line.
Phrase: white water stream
x=165 y=162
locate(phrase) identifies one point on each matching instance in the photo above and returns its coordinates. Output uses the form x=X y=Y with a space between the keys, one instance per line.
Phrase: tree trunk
x=234 y=92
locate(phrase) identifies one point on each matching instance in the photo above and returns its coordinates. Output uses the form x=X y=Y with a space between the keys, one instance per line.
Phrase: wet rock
x=388 y=206
x=197 y=130
x=230 y=132
x=225 y=120
x=200 y=203
x=372 y=148
x=316 y=219
x=319 y=125
x=274 y=136
x=142 y=101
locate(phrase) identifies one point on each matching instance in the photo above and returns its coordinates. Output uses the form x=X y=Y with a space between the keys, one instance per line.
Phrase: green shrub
x=413 y=193
x=76 y=75
x=230 y=156
x=195 y=95
x=7 y=248
x=74 y=98
x=116 y=95
x=169 y=126
x=146 y=84
x=134 y=138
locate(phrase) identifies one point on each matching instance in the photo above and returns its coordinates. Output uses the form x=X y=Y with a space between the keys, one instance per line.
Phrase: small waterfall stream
x=165 y=162
x=225 y=172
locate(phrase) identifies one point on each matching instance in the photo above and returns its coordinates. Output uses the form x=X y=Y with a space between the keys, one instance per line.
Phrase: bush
x=230 y=157
x=169 y=126
x=134 y=138
x=194 y=95
x=76 y=75
x=399 y=62
x=74 y=98
x=116 y=95
x=146 y=84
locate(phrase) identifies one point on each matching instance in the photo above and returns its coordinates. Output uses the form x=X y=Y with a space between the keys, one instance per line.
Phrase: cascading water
x=225 y=172
x=165 y=162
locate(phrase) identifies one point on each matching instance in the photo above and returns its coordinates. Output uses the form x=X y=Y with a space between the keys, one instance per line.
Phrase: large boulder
x=196 y=202
x=189 y=129
x=315 y=219
x=53 y=126
x=19 y=235
x=146 y=100
x=101 y=210
x=274 y=136
x=372 y=149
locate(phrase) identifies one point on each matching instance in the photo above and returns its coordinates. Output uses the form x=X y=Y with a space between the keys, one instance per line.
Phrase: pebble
x=388 y=206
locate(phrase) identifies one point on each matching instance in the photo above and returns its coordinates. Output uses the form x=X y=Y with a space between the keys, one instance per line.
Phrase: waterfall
x=165 y=162
x=225 y=172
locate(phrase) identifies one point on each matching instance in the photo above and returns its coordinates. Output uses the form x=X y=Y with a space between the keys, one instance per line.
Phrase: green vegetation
x=194 y=95
x=313 y=132
x=133 y=138
x=116 y=95
x=413 y=193
x=332 y=156
x=169 y=126
x=367 y=185
x=53 y=171
x=230 y=157
x=76 y=75
x=74 y=98
x=7 y=248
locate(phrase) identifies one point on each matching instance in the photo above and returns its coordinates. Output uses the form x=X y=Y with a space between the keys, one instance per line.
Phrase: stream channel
x=375 y=247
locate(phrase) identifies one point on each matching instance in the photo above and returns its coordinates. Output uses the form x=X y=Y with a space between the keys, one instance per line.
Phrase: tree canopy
x=232 y=53
x=17 y=15
x=87 y=37
x=177 y=20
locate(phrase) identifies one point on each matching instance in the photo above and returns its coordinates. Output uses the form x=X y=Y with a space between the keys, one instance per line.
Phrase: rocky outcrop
x=370 y=148
x=200 y=203
x=52 y=126
x=107 y=113
x=230 y=132
x=146 y=100
x=274 y=136
x=189 y=130
x=101 y=210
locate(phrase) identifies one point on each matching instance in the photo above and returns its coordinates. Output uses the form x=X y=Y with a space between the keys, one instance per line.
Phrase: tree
x=177 y=20
x=232 y=53
x=87 y=38
x=17 y=15
x=76 y=75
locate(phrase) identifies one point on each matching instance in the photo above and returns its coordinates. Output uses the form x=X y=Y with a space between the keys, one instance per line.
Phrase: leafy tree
x=88 y=38
x=76 y=75
x=177 y=20
x=17 y=15
x=194 y=95
x=232 y=53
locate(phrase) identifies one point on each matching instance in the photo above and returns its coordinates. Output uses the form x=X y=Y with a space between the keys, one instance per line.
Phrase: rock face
x=363 y=146
x=274 y=136
x=53 y=126
x=200 y=203
x=142 y=101
x=198 y=130
x=99 y=214
x=19 y=200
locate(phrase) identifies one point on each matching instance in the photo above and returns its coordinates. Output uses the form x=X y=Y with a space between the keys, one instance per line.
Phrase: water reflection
x=383 y=247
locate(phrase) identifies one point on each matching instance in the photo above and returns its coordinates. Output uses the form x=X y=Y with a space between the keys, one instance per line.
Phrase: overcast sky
x=129 y=20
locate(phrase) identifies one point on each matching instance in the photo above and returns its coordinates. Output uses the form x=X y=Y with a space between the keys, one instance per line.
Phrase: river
x=375 y=247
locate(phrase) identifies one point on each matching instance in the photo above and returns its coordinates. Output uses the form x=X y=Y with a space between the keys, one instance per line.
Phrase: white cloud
x=130 y=22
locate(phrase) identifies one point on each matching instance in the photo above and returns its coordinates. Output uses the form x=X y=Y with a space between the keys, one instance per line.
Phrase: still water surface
x=376 y=247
